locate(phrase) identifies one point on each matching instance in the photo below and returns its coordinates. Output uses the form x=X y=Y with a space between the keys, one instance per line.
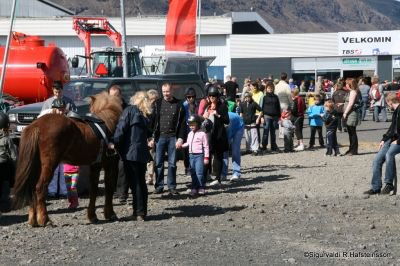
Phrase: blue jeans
x=364 y=108
x=269 y=128
x=166 y=144
x=57 y=184
x=235 y=143
x=380 y=109
x=386 y=154
x=197 y=170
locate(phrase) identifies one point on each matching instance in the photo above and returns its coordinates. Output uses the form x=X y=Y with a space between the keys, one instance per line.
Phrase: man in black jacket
x=169 y=133
x=389 y=147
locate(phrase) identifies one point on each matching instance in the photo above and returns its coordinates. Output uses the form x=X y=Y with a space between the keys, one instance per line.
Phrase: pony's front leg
x=110 y=175
x=94 y=183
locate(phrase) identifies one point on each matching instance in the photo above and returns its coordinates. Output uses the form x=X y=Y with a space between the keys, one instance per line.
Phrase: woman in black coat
x=217 y=112
x=131 y=139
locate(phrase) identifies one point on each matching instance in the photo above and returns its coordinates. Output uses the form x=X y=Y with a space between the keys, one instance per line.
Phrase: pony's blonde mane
x=108 y=108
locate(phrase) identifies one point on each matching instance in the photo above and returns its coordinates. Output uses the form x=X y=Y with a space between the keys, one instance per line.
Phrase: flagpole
x=124 y=52
x=198 y=26
x=3 y=70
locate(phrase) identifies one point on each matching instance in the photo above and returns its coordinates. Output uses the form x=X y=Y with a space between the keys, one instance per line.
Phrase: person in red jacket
x=299 y=107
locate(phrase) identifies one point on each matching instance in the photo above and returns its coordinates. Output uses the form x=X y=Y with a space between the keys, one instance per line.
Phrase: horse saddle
x=96 y=124
x=98 y=127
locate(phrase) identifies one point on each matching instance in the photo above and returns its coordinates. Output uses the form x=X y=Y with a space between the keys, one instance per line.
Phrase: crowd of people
x=203 y=133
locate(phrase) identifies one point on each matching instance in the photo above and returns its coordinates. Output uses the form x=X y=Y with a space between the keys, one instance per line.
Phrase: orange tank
x=32 y=67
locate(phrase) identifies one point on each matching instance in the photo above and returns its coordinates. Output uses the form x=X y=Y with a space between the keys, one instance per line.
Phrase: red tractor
x=104 y=62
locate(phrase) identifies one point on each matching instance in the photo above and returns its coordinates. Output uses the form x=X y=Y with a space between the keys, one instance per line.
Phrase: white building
x=242 y=43
x=146 y=33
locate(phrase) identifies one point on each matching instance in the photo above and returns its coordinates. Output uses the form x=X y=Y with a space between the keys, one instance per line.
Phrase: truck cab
x=80 y=89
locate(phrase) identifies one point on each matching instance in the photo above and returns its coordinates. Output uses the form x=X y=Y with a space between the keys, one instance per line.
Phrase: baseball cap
x=57 y=84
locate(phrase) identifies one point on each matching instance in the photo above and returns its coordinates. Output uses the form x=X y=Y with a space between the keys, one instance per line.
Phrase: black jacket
x=271 y=105
x=331 y=120
x=178 y=120
x=393 y=133
x=249 y=112
x=130 y=137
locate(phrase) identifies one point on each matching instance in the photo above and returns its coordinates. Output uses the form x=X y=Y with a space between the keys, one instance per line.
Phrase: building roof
x=56 y=6
x=33 y=8
x=135 y=26
x=249 y=23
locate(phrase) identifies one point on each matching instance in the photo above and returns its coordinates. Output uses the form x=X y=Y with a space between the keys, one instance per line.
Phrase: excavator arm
x=86 y=26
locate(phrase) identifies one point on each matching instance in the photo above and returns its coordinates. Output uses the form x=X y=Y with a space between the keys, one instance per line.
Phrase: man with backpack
x=377 y=99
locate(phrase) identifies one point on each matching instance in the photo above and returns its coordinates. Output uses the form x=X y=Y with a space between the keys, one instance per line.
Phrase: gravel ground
x=299 y=208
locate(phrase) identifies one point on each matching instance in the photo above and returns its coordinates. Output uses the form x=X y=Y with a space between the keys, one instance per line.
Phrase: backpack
x=378 y=95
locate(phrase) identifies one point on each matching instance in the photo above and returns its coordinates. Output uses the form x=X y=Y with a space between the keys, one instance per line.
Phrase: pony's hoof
x=93 y=220
x=44 y=222
x=32 y=224
x=113 y=218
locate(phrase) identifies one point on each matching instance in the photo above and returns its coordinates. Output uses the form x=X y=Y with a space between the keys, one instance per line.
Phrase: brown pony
x=55 y=138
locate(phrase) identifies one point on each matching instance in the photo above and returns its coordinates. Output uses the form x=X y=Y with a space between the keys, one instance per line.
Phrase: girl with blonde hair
x=142 y=101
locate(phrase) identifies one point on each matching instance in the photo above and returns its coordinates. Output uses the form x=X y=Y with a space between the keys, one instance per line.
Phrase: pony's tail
x=28 y=166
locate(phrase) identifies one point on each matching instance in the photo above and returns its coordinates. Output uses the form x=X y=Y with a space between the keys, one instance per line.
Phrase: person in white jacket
x=282 y=90
x=378 y=99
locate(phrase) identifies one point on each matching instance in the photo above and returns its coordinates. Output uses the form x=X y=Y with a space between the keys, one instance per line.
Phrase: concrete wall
x=259 y=67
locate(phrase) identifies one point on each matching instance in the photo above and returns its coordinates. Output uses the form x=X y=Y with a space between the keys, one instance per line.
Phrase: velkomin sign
x=368 y=43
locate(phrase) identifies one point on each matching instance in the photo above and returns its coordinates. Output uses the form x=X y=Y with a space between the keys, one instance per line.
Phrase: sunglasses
x=190 y=97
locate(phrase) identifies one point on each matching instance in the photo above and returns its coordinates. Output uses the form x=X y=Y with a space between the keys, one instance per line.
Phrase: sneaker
x=215 y=182
x=172 y=191
x=372 y=192
x=299 y=148
x=201 y=191
x=311 y=147
x=159 y=190
x=234 y=178
x=139 y=218
x=193 y=192
x=224 y=178
x=387 y=189
x=187 y=172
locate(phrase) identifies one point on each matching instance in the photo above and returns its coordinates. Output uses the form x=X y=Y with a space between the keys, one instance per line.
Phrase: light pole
x=124 y=53
x=3 y=70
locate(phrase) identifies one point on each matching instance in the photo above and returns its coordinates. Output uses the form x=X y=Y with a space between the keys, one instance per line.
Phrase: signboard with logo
x=396 y=61
x=358 y=62
x=368 y=43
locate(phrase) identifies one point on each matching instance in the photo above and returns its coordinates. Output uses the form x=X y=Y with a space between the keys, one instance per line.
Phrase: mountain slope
x=285 y=16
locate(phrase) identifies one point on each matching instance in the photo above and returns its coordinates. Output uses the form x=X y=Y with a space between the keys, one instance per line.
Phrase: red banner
x=180 y=33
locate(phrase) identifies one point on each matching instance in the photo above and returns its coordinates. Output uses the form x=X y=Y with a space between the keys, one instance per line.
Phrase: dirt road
x=299 y=208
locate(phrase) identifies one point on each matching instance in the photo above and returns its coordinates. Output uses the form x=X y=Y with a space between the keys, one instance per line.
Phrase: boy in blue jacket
x=315 y=113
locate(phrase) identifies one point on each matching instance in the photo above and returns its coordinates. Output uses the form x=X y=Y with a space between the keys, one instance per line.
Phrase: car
x=80 y=89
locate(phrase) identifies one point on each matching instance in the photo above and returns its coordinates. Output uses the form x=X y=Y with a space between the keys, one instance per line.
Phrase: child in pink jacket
x=71 y=173
x=198 y=154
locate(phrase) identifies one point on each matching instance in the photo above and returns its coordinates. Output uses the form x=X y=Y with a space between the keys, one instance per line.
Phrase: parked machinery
x=32 y=67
